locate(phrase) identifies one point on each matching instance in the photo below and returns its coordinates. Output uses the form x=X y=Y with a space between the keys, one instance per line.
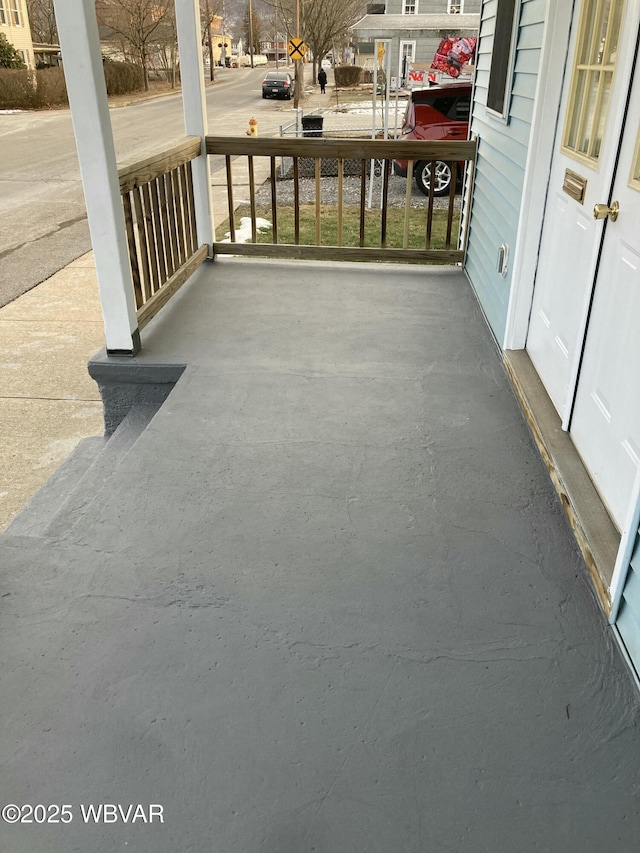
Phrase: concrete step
x=69 y=493
x=34 y=517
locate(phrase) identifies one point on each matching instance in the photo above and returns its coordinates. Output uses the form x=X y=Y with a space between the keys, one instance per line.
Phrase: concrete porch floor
x=324 y=600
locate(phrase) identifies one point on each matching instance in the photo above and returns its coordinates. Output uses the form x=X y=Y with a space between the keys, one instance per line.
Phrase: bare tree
x=208 y=15
x=136 y=24
x=323 y=23
x=43 y=21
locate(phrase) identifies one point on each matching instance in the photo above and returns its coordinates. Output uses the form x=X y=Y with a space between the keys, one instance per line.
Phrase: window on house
x=409 y=7
x=454 y=8
x=4 y=20
x=502 y=57
x=16 y=16
x=592 y=77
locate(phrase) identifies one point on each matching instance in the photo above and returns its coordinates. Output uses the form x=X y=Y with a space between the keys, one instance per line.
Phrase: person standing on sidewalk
x=322 y=79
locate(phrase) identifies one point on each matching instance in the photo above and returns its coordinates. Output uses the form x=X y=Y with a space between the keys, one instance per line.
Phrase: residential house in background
x=554 y=258
x=14 y=24
x=275 y=47
x=414 y=29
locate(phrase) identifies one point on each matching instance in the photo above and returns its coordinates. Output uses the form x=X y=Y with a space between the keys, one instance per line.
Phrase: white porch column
x=195 y=111
x=82 y=61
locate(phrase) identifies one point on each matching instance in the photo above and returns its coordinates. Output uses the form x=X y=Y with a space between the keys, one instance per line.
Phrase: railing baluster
x=157 y=222
x=407 y=205
x=318 y=200
x=274 y=201
x=252 y=200
x=171 y=213
x=296 y=200
x=189 y=210
x=133 y=253
x=363 y=193
x=151 y=237
x=430 y=205
x=143 y=242
x=232 y=222
x=340 y=197
x=177 y=194
x=165 y=214
x=452 y=200
x=386 y=169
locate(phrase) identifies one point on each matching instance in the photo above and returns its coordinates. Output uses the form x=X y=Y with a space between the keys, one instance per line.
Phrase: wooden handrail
x=359 y=149
x=141 y=172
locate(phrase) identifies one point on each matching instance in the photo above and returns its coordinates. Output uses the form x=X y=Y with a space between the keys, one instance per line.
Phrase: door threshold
x=595 y=533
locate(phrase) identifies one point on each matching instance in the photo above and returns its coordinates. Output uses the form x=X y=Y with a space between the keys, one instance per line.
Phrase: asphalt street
x=43 y=223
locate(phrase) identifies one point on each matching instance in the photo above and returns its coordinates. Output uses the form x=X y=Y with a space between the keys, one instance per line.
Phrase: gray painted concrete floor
x=327 y=601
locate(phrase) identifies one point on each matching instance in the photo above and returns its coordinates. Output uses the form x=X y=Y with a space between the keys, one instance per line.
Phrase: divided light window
x=592 y=77
x=455 y=8
x=502 y=57
x=3 y=13
x=410 y=7
x=15 y=13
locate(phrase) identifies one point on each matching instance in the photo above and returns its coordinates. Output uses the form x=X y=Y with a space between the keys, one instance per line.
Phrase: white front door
x=601 y=54
x=605 y=425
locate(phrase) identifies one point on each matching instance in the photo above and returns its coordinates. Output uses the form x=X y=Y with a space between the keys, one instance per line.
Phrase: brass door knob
x=601 y=211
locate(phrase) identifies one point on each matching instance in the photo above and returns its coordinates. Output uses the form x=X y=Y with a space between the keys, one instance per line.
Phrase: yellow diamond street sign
x=297 y=48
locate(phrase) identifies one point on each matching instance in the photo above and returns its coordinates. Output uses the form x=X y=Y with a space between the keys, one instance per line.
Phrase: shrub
x=347 y=75
x=17 y=90
x=51 y=87
x=123 y=77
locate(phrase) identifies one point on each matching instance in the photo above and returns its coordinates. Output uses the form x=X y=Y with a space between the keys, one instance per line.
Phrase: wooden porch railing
x=157 y=196
x=313 y=153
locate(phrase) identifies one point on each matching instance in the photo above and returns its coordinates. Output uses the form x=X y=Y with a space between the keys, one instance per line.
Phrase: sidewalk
x=48 y=401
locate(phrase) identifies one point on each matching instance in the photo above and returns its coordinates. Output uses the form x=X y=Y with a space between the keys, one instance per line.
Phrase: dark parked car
x=277 y=84
x=437 y=113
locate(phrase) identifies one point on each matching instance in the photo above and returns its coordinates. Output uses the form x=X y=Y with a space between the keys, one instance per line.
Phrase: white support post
x=195 y=112
x=82 y=61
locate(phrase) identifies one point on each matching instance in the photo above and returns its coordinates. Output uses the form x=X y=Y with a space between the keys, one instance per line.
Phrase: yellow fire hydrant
x=253 y=127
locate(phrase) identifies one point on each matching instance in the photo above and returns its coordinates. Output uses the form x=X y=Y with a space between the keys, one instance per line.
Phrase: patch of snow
x=243 y=233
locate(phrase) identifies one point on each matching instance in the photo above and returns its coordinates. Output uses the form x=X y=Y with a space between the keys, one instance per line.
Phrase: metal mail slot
x=574 y=185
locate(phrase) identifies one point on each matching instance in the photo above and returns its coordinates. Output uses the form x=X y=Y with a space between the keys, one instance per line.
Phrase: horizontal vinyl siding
x=502 y=155
x=628 y=621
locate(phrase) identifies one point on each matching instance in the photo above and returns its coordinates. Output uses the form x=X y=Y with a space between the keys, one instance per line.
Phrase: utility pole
x=207 y=12
x=298 y=81
x=251 y=31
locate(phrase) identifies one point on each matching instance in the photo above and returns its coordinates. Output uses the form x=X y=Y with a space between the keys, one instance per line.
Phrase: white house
x=414 y=28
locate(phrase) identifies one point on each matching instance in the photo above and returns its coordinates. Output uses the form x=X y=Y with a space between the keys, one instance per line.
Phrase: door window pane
x=596 y=55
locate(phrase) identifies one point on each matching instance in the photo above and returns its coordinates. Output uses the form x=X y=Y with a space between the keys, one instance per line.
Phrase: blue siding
x=502 y=154
x=628 y=620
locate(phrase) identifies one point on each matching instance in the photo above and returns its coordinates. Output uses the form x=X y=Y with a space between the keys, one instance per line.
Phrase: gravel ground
x=351 y=192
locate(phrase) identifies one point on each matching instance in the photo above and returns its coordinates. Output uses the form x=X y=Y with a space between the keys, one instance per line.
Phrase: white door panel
x=605 y=425
x=571 y=238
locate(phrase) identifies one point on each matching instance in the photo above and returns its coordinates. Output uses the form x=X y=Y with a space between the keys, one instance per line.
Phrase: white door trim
x=627 y=543
x=555 y=41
